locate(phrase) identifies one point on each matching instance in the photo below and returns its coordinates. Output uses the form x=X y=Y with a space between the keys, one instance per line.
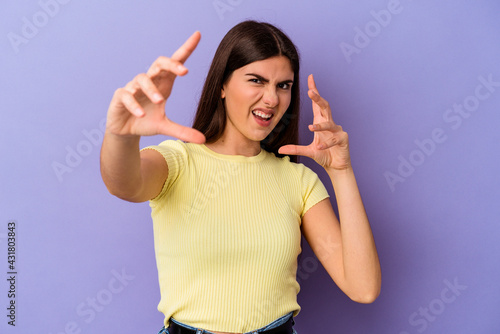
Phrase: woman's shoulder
x=293 y=176
x=173 y=143
x=178 y=147
x=286 y=165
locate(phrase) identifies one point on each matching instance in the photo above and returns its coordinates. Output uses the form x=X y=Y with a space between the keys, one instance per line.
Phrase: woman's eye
x=284 y=86
x=255 y=80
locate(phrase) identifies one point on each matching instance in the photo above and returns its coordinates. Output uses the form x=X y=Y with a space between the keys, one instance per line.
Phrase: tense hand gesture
x=138 y=109
x=330 y=146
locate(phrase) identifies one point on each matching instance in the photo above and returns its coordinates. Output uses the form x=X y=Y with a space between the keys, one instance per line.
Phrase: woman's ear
x=222 y=94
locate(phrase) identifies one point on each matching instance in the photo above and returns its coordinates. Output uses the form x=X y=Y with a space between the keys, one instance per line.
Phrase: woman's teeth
x=261 y=114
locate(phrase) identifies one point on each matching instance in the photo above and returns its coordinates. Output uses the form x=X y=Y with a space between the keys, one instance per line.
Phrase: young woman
x=229 y=203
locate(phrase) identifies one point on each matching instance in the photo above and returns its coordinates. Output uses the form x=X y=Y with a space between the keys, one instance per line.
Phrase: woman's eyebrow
x=261 y=78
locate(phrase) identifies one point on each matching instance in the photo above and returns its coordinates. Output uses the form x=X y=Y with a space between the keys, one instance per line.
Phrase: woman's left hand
x=330 y=146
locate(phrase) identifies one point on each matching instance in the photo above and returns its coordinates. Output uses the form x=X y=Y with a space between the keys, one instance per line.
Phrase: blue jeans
x=272 y=325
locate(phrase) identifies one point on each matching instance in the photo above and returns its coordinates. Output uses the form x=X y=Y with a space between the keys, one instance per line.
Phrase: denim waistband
x=271 y=325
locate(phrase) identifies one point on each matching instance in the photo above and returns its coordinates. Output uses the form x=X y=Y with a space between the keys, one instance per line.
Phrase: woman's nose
x=270 y=97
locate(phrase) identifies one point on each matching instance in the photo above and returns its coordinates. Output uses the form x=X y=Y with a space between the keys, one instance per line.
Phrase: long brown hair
x=247 y=42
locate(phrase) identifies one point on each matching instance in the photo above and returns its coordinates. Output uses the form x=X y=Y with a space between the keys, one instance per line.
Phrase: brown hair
x=247 y=42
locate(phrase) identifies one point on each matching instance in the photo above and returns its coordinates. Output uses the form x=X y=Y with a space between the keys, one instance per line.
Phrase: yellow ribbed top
x=227 y=236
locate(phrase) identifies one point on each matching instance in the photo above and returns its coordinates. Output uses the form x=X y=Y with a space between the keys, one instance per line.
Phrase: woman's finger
x=325 y=126
x=295 y=150
x=314 y=95
x=186 y=49
x=321 y=102
x=181 y=132
x=312 y=84
x=165 y=64
x=149 y=88
x=175 y=63
x=142 y=85
x=129 y=102
x=339 y=138
x=327 y=143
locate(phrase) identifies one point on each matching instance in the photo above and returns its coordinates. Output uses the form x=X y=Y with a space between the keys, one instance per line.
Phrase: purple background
x=435 y=227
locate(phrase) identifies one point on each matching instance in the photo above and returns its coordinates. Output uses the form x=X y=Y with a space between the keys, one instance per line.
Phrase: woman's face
x=256 y=97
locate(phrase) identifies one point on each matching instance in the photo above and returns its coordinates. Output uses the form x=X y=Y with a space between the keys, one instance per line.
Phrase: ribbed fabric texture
x=227 y=236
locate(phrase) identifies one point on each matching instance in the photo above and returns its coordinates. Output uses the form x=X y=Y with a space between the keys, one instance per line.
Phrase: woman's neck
x=227 y=146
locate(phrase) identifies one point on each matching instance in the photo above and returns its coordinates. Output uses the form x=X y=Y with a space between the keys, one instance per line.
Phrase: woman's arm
x=129 y=174
x=346 y=248
x=136 y=110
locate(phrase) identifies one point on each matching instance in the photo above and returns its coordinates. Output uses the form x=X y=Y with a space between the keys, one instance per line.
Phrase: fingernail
x=181 y=67
x=158 y=97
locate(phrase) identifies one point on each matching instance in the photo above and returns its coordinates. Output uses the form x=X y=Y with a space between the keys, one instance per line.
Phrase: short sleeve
x=313 y=190
x=176 y=156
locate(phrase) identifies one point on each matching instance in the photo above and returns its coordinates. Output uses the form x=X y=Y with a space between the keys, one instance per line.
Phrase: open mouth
x=262 y=116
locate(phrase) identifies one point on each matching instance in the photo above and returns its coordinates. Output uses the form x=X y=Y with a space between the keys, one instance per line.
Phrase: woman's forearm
x=121 y=165
x=360 y=258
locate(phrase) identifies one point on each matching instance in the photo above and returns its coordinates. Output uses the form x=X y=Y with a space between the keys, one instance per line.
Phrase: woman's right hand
x=138 y=109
